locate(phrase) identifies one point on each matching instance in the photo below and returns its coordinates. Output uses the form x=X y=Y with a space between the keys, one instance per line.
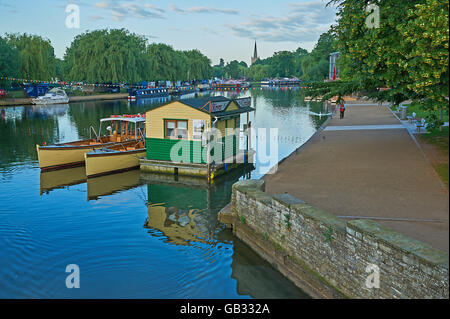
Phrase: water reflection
x=61 y=178
x=183 y=215
x=110 y=184
x=184 y=209
x=122 y=228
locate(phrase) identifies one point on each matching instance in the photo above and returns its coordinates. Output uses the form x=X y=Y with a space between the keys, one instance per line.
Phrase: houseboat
x=135 y=94
x=231 y=85
x=181 y=90
x=120 y=157
x=177 y=134
x=71 y=154
x=282 y=81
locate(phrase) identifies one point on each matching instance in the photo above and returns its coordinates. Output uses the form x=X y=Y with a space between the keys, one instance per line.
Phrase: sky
x=219 y=29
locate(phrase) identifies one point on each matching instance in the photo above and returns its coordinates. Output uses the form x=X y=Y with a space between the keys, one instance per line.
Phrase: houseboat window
x=182 y=129
x=170 y=129
x=175 y=129
x=198 y=128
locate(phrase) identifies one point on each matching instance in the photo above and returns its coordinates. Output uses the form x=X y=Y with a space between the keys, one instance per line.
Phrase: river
x=132 y=236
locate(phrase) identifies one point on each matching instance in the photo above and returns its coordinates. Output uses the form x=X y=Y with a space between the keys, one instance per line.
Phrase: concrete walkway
x=368 y=166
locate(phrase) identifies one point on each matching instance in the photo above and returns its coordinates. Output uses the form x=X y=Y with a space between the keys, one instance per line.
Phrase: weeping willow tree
x=36 y=56
x=198 y=65
x=9 y=59
x=165 y=63
x=106 y=56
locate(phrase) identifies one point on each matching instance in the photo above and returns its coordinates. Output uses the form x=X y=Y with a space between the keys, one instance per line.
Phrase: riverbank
x=366 y=166
x=330 y=257
x=97 y=97
x=359 y=192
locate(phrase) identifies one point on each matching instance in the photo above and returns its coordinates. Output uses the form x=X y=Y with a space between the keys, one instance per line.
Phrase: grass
x=15 y=94
x=439 y=139
x=420 y=113
x=442 y=170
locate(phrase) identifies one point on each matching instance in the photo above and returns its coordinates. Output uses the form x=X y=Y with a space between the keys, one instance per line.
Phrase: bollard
x=403 y=111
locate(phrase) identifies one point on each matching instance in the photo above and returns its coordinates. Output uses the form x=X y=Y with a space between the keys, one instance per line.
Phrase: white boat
x=54 y=96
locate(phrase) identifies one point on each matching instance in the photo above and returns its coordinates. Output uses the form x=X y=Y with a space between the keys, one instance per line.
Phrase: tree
x=107 y=56
x=198 y=65
x=165 y=63
x=9 y=59
x=408 y=52
x=315 y=65
x=233 y=70
x=36 y=55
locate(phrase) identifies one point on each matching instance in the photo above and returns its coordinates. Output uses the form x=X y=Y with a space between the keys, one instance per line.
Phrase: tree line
x=100 y=56
x=117 y=55
x=309 y=66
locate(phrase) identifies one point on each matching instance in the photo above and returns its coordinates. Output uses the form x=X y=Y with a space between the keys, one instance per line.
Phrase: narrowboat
x=148 y=92
x=183 y=89
x=64 y=155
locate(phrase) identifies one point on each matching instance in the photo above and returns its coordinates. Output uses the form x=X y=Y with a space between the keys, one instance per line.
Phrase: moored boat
x=146 y=93
x=114 y=159
x=54 y=96
x=122 y=129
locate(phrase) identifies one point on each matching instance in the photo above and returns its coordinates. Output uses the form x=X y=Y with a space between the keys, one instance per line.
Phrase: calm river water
x=132 y=236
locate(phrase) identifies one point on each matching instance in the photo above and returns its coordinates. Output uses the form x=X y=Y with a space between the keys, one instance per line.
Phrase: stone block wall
x=352 y=259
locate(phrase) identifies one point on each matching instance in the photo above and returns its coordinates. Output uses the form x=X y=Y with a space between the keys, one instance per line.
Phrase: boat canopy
x=138 y=118
x=57 y=90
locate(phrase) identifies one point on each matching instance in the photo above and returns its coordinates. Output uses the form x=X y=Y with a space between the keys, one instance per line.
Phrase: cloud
x=203 y=10
x=174 y=8
x=121 y=10
x=95 y=18
x=152 y=7
x=103 y=5
x=304 y=23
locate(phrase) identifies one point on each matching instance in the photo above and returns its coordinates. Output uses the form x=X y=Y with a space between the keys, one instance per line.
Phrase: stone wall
x=331 y=258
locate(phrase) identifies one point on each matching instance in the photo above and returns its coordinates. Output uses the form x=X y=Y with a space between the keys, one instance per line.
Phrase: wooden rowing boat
x=114 y=159
x=122 y=129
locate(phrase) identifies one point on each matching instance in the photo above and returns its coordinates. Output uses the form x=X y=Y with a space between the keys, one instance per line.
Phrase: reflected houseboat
x=64 y=155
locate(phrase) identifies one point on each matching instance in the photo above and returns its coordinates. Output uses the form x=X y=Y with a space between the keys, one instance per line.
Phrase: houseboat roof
x=216 y=105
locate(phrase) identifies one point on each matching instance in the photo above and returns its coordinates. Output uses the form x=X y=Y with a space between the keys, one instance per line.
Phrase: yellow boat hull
x=55 y=157
x=103 y=163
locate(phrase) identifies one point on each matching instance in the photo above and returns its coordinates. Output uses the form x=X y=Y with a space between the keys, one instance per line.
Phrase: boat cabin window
x=175 y=129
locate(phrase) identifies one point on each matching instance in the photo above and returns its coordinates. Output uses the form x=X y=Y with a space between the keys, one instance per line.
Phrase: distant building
x=255 y=55
x=334 y=70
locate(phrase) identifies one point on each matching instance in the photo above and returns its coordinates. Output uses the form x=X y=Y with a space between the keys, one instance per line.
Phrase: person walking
x=342 y=109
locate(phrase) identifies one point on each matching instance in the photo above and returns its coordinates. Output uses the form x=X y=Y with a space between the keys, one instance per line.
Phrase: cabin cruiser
x=54 y=96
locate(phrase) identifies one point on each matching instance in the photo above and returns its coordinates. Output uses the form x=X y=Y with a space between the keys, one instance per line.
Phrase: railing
x=91 y=129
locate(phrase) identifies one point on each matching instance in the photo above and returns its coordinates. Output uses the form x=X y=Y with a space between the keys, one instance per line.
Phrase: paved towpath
x=367 y=165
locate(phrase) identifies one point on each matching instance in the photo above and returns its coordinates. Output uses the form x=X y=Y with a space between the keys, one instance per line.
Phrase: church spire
x=255 y=55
